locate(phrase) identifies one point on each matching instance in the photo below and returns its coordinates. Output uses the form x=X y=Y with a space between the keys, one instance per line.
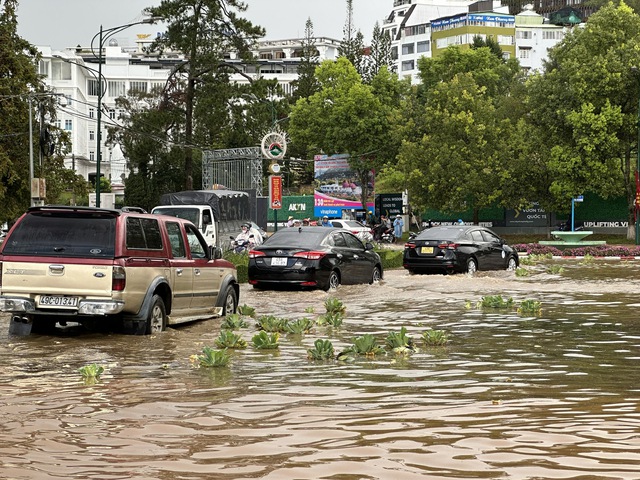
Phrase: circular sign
x=274 y=168
x=274 y=145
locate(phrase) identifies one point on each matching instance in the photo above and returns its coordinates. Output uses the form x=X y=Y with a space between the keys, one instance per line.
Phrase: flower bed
x=594 y=251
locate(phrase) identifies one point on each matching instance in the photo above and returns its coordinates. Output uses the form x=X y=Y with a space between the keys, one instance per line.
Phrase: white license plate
x=279 y=262
x=58 y=301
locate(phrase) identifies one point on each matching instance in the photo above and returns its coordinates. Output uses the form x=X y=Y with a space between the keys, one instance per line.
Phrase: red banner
x=275 y=192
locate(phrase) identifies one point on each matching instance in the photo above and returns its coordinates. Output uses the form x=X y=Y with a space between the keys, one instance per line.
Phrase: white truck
x=218 y=214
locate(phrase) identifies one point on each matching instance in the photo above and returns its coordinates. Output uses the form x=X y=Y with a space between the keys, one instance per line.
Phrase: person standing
x=398 y=223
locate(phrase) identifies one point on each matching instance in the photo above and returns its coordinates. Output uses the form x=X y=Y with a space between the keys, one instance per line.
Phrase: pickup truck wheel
x=157 y=321
x=230 y=304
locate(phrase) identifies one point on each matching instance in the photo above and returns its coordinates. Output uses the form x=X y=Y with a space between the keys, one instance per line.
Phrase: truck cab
x=200 y=215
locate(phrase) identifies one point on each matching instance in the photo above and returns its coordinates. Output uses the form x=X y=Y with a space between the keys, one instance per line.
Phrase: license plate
x=426 y=250
x=58 y=301
x=279 y=262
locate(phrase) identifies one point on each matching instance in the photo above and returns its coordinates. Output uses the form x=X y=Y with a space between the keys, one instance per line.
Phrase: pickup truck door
x=206 y=277
x=181 y=268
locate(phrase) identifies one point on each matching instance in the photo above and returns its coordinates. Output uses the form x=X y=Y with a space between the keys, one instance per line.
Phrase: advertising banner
x=275 y=192
x=534 y=216
x=337 y=186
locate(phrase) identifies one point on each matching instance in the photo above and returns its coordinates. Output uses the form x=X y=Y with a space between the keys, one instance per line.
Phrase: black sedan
x=313 y=257
x=458 y=248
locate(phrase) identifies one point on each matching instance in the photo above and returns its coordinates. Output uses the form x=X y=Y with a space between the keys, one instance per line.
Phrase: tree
x=490 y=43
x=380 y=55
x=345 y=116
x=306 y=84
x=585 y=107
x=352 y=44
x=204 y=31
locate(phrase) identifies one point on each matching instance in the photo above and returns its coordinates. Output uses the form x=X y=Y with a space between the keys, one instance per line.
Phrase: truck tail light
x=119 y=279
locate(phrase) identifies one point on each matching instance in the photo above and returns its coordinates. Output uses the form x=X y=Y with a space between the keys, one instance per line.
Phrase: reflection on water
x=553 y=396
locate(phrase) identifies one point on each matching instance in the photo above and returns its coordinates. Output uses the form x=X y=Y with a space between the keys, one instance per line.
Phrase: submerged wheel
x=512 y=264
x=334 y=280
x=230 y=304
x=157 y=320
x=375 y=275
x=472 y=266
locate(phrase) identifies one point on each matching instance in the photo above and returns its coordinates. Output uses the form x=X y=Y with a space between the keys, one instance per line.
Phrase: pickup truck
x=102 y=267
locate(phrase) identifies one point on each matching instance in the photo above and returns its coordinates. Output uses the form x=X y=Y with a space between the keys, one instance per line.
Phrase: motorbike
x=382 y=234
x=239 y=245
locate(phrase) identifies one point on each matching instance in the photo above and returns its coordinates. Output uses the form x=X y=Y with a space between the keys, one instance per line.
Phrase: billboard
x=337 y=186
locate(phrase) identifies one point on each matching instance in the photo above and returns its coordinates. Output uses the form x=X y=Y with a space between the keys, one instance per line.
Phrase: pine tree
x=380 y=54
x=306 y=84
x=352 y=45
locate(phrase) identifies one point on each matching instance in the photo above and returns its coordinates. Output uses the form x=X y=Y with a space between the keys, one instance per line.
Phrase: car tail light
x=355 y=232
x=256 y=253
x=450 y=246
x=409 y=245
x=312 y=255
x=118 y=279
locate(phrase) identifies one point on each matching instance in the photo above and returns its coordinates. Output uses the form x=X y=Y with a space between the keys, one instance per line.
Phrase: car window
x=197 y=245
x=352 y=241
x=305 y=237
x=476 y=236
x=64 y=234
x=143 y=234
x=490 y=237
x=441 y=233
x=338 y=240
x=176 y=240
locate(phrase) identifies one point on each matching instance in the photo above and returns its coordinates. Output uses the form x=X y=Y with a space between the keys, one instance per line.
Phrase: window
x=176 y=240
x=408 y=48
x=92 y=112
x=92 y=156
x=116 y=88
x=524 y=34
x=136 y=86
x=92 y=135
x=505 y=40
x=60 y=71
x=407 y=65
x=394 y=53
x=43 y=68
x=143 y=233
x=68 y=124
x=524 y=53
x=552 y=35
x=112 y=113
x=93 y=88
x=423 y=46
x=196 y=244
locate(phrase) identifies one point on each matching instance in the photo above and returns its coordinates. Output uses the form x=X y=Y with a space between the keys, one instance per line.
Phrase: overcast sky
x=67 y=23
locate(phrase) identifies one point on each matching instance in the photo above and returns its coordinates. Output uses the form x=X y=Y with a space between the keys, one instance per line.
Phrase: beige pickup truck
x=110 y=269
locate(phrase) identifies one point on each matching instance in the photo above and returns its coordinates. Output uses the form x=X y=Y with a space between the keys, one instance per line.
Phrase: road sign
x=275 y=192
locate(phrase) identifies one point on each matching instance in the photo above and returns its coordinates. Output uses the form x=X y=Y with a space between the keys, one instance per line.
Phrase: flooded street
x=548 y=396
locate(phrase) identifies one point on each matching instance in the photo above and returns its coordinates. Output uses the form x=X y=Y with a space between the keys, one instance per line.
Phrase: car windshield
x=441 y=233
x=309 y=237
x=64 y=234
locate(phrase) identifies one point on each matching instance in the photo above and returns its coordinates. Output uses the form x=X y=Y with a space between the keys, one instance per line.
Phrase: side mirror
x=216 y=252
x=368 y=246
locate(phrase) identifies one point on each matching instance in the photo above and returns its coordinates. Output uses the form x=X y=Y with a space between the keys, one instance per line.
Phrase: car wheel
x=230 y=301
x=512 y=264
x=157 y=320
x=334 y=280
x=472 y=266
x=375 y=275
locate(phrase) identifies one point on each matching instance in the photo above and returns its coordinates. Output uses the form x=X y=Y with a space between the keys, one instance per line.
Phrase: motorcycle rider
x=249 y=237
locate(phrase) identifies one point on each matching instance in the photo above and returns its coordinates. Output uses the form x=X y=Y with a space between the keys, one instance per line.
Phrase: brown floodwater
x=548 y=396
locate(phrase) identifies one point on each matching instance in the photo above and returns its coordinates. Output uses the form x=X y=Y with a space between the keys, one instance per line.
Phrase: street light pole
x=103 y=35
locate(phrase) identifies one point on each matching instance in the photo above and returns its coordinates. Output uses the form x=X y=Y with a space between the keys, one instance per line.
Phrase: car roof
x=446 y=232
x=291 y=235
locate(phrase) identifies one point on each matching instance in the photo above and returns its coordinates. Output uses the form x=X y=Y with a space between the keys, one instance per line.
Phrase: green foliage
x=400 y=342
x=534 y=258
x=334 y=305
x=495 y=302
x=390 y=258
x=309 y=309
x=530 y=307
x=91 y=372
x=233 y=321
x=333 y=319
x=299 y=326
x=241 y=262
x=587 y=260
x=365 y=345
x=522 y=272
x=555 y=269
x=246 y=310
x=271 y=323
x=322 y=350
x=228 y=339
x=265 y=341
x=211 y=358
x=435 y=338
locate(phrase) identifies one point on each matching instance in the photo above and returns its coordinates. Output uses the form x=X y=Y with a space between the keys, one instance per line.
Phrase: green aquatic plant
x=300 y=326
x=246 y=310
x=266 y=341
x=555 y=269
x=211 y=358
x=322 y=350
x=309 y=309
x=271 y=323
x=400 y=342
x=522 y=272
x=334 y=305
x=233 y=321
x=435 y=338
x=531 y=307
x=333 y=319
x=365 y=345
x=588 y=259
x=228 y=339
x=534 y=258
x=495 y=302
x=91 y=372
